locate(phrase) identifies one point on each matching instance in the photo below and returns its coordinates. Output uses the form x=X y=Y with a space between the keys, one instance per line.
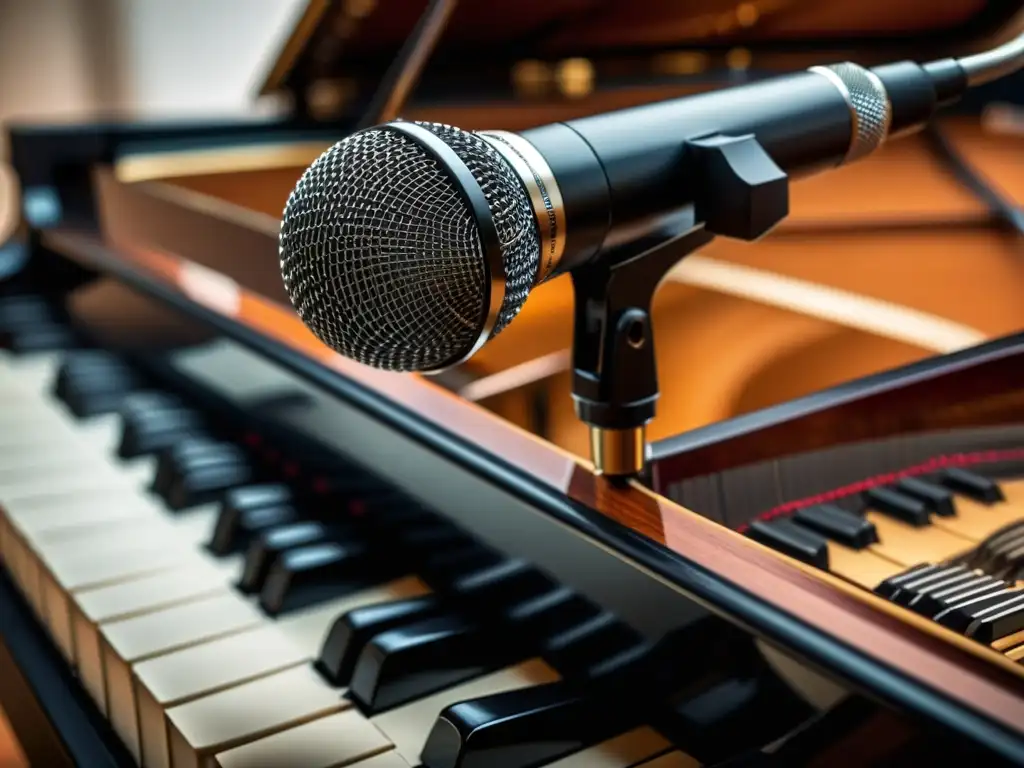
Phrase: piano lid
x=358 y=39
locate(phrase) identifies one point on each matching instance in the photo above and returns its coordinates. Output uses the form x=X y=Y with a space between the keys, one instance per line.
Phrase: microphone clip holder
x=614 y=371
x=742 y=194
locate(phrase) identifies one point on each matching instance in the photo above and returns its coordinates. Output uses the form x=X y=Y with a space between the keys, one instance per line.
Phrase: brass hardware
x=575 y=77
x=738 y=59
x=531 y=78
x=681 y=62
x=619 y=452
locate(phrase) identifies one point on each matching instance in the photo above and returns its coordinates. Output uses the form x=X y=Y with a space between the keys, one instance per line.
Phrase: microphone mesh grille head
x=383 y=259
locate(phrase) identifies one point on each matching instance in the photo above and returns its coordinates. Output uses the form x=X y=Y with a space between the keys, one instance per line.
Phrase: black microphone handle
x=624 y=168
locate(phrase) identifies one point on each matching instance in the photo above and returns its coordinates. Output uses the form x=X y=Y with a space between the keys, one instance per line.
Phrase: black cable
x=1009 y=213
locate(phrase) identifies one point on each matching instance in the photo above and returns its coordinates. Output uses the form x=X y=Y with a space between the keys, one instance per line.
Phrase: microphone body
x=619 y=172
x=407 y=246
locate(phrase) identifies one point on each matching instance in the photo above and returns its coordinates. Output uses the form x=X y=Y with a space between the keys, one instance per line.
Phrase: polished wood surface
x=11 y=755
x=948 y=663
x=985 y=390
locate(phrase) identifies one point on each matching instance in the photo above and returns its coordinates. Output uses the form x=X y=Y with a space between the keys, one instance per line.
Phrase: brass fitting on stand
x=618 y=452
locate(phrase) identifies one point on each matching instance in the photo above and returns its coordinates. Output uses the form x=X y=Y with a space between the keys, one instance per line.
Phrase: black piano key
x=309 y=575
x=206 y=483
x=17 y=312
x=80 y=363
x=893 y=584
x=939 y=500
x=147 y=401
x=972 y=485
x=1005 y=551
x=790 y=539
x=92 y=382
x=496 y=587
x=586 y=648
x=999 y=622
x=899 y=506
x=351 y=483
x=911 y=589
x=1015 y=564
x=42 y=338
x=525 y=727
x=269 y=545
x=30 y=323
x=191 y=449
x=961 y=616
x=351 y=631
x=149 y=431
x=248 y=510
x=198 y=471
x=429 y=536
x=1000 y=540
x=441 y=569
x=550 y=614
x=836 y=523
x=915 y=598
x=415 y=660
x=99 y=392
x=253 y=522
x=938 y=600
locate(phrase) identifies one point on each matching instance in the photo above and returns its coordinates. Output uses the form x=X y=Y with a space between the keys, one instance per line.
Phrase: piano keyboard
x=218 y=616
x=949 y=546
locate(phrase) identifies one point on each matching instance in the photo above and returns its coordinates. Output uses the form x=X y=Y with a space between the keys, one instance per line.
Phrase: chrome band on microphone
x=870 y=106
x=544 y=193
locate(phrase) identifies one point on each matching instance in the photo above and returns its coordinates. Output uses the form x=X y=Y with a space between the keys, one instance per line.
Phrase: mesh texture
x=383 y=260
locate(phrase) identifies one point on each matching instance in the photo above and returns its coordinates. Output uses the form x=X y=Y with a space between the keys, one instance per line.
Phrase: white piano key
x=197 y=523
x=49 y=518
x=40 y=469
x=202 y=728
x=189 y=674
x=173 y=679
x=24 y=410
x=671 y=760
x=188 y=581
x=36 y=449
x=409 y=725
x=30 y=522
x=105 y=555
x=342 y=739
x=100 y=433
x=67 y=551
x=129 y=641
x=27 y=431
x=80 y=478
x=100 y=558
x=35 y=372
x=623 y=751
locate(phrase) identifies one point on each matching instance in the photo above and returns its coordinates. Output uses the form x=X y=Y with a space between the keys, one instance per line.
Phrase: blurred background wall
x=63 y=59
x=69 y=59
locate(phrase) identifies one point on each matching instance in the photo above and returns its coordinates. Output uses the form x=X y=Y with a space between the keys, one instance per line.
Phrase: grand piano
x=225 y=545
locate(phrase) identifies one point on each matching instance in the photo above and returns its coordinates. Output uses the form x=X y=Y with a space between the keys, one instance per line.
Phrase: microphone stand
x=742 y=194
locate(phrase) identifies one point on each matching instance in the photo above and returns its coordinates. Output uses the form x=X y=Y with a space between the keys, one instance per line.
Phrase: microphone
x=407 y=246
